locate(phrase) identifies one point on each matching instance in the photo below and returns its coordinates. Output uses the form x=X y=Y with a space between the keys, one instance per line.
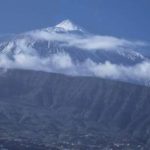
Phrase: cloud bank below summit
x=62 y=63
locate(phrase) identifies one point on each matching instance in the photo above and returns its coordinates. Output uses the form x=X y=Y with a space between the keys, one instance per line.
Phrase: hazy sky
x=123 y=18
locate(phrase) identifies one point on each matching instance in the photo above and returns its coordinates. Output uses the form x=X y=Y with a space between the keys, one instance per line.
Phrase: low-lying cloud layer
x=62 y=63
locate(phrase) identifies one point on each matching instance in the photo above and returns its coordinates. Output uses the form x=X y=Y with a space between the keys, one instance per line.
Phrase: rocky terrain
x=53 y=111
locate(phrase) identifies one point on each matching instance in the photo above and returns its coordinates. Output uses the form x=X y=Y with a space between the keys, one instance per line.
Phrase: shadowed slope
x=46 y=106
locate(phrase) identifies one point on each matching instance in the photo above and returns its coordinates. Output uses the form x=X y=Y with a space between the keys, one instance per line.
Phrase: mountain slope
x=53 y=107
x=49 y=40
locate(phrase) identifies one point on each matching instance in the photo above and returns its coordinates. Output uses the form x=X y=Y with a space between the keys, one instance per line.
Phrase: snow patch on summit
x=67 y=25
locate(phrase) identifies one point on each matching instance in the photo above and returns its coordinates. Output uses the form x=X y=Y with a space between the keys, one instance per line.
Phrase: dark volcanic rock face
x=73 y=112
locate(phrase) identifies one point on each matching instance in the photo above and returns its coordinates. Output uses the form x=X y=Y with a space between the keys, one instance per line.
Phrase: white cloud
x=62 y=63
x=86 y=42
x=55 y=63
x=62 y=60
x=138 y=72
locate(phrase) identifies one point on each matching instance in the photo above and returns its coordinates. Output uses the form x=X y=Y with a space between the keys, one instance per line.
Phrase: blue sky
x=122 y=18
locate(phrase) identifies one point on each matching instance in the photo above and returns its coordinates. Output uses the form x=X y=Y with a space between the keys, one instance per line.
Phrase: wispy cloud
x=87 y=42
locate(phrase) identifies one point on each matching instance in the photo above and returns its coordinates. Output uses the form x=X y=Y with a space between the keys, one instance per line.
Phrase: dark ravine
x=73 y=112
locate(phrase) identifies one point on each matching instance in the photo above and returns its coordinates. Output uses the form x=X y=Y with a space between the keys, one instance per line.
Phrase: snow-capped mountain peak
x=66 y=48
x=67 y=25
